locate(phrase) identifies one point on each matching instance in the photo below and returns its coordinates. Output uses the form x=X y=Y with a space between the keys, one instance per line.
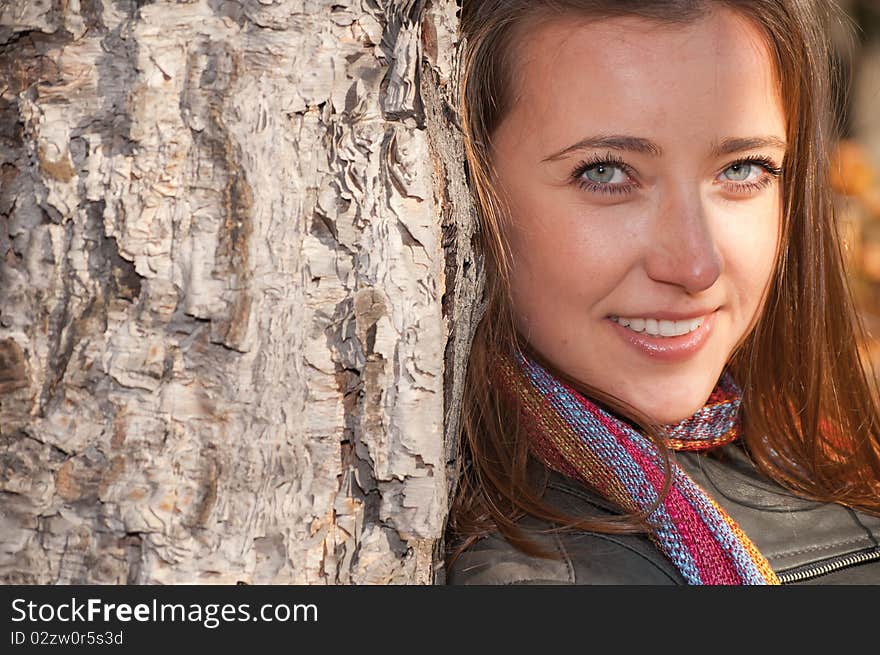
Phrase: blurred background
x=856 y=169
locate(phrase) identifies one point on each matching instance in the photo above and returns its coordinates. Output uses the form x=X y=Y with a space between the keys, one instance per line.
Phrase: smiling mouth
x=660 y=327
x=664 y=339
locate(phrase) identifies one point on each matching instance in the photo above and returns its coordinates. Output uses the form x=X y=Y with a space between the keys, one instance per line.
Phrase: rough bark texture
x=235 y=273
x=462 y=303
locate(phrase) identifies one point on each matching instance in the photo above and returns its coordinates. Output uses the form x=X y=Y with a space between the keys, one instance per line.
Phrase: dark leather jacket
x=805 y=542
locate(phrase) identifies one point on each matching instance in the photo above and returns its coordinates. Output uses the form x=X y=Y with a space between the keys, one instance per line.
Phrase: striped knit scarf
x=573 y=436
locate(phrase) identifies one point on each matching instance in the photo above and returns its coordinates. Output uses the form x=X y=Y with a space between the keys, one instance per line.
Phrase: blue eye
x=739 y=172
x=749 y=175
x=605 y=173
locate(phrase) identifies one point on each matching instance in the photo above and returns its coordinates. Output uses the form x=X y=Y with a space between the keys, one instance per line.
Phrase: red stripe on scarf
x=712 y=562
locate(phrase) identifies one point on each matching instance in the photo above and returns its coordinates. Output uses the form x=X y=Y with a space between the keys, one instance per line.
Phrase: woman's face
x=639 y=162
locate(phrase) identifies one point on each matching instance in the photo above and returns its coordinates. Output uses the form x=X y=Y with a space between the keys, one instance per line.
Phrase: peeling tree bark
x=236 y=290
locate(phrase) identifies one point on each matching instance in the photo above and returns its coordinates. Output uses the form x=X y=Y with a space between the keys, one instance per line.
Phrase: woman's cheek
x=751 y=251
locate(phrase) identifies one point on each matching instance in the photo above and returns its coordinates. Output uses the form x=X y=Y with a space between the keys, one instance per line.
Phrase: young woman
x=666 y=385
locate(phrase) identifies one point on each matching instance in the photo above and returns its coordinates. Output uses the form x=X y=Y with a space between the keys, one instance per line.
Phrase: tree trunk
x=236 y=290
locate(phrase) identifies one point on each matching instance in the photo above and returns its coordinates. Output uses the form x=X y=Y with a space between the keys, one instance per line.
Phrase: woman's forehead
x=627 y=74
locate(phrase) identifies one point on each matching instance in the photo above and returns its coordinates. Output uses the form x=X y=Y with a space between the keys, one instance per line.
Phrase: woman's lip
x=667 y=349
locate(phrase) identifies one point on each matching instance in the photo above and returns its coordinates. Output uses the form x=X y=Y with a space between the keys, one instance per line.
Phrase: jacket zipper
x=828 y=566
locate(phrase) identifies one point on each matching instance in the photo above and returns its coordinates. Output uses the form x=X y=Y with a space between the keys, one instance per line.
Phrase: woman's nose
x=683 y=249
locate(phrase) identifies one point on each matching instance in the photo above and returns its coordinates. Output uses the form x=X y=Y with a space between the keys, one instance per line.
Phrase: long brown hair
x=809 y=408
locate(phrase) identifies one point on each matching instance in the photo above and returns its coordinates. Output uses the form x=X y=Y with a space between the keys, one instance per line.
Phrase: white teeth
x=661 y=328
x=667 y=328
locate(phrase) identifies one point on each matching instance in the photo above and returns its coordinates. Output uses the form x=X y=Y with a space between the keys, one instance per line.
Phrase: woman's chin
x=672 y=418
x=669 y=410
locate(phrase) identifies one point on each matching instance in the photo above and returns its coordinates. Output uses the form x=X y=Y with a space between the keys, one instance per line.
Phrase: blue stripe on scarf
x=712 y=519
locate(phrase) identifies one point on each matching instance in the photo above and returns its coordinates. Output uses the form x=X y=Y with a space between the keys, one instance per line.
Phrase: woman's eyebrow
x=611 y=141
x=738 y=144
x=647 y=147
